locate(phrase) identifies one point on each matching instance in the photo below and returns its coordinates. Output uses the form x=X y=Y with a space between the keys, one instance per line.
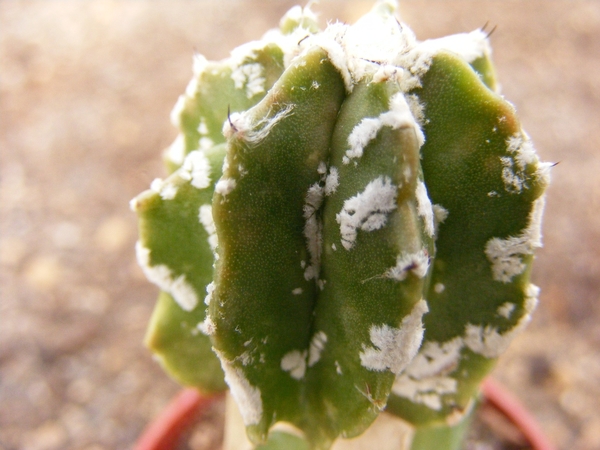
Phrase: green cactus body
x=481 y=169
x=375 y=262
x=368 y=240
x=181 y=264
x=177 y=330
x=232 y=85
x=265 y=288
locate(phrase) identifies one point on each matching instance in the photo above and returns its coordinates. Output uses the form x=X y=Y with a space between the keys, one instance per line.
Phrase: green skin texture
x=216 y=95
x=260 y=226
x=355 y=295
x=261 y=241
x=462 y=114
x=172 y=334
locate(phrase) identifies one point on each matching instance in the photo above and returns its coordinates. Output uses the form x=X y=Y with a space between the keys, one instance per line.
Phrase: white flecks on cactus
x=425 y=209
x=398 y=116
x=440 y=214
x=417 y=109
x=164 y=188
x=361 y=135
x=294 y=362
x=488 y=341
x=469 y=46
x=317 y=344
x=425 y=380
x=506 y=255
x=439 y=288
x=522 y=148
x=521 y=154
x=210 y=288
x=206 y=219
x=394 y=348
x=224 y=186
x=313 y=228
x=176 y=151
x=245 y=358
x=367 y=210
x=543 y=172
x=415 y=263
x=251 y=77
x=331 y=41
x=156 y=185
x=197 y=169
x=513 y=178
x=207 y=327
x=240 y=126
x=427 y=392
x=236 y=125
x=247 y=397
x=297 y=291
x=435 y=359
x=177 y=286
x=386 y=72
x=321 y=284
x=506 y=309
x=322 y=168
x=332 y=181
x=338 y=368
x=310 y=273
x=203 y=127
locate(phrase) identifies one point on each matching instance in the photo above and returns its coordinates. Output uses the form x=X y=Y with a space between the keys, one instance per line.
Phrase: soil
x=85 y=95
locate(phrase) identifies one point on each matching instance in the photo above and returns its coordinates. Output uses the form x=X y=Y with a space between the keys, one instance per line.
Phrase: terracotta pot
x=168 y=430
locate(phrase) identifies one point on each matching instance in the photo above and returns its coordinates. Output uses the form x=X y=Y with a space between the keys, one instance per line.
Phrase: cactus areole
x=348 y=226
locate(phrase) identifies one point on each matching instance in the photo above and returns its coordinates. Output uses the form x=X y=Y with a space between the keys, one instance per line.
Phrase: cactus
x=349 y=226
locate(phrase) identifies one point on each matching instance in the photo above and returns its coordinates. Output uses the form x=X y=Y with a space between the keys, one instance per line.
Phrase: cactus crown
x=349 y=224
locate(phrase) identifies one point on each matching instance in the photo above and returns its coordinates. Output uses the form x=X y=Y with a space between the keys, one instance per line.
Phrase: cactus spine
x=349 y=225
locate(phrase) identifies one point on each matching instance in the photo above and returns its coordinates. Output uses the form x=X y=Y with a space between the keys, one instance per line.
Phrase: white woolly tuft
x=240 y=126
x=425 y=209
x=469 y=46
x=415 y=263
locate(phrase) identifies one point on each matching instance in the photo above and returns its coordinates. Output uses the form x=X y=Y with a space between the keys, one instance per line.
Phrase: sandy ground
x=85 y=93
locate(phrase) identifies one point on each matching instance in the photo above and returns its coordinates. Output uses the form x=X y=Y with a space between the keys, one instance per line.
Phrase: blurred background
x=85 y=94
